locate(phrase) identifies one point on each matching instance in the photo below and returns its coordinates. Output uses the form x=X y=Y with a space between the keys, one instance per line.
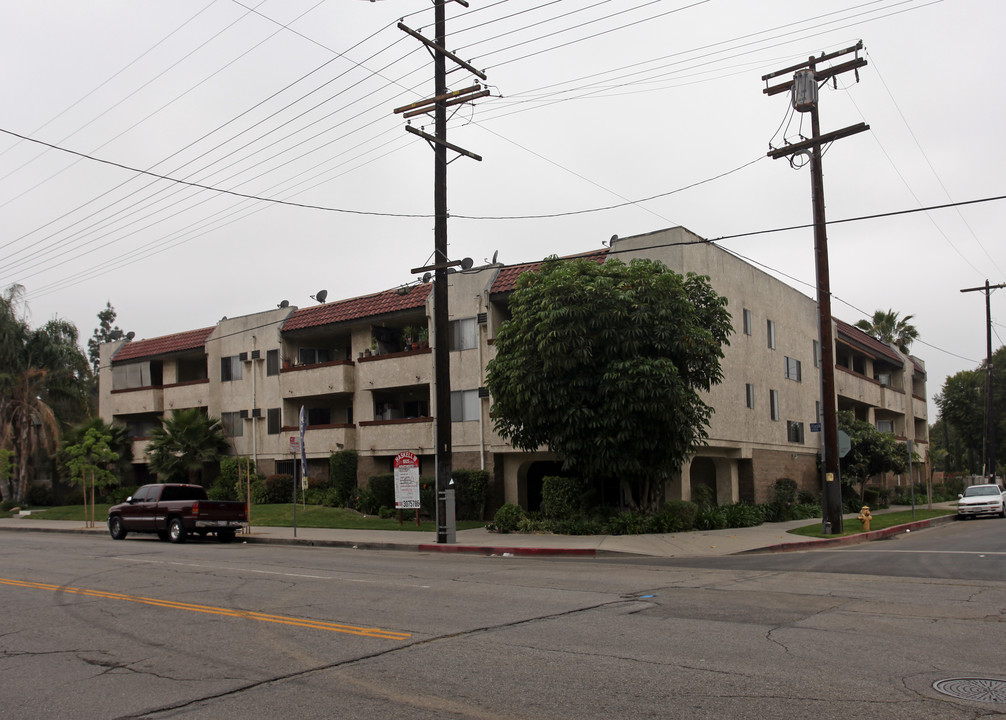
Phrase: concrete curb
x=492 y=550
x=819 y=543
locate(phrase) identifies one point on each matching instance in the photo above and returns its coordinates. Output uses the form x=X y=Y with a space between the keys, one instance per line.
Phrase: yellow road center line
x=210 y=610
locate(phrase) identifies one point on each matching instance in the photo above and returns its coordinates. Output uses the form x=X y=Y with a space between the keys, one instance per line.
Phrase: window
x=748 y=321
x=773 y=404
x=272 y=362
x=750 y=395
x=793 y=369
x=464 y=334
x=771 y=334
x=230 y=368
x=794 y=431
x=233 y=424
x=312 y=356
x=817 y=354
x=274 y=420
x=319 y=416
x=465 y=405
x=136 y=375
x=886 y=426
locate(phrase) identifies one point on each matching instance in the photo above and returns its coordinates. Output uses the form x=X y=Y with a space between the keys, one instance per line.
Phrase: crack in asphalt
x=153 y=712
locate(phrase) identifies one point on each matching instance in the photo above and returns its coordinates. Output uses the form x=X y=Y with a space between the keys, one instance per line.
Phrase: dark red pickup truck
x=175 y=511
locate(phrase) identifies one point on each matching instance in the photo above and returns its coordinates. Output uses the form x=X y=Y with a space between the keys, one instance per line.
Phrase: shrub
x=8 y=505
x=560 y=497
x=533 y=525
x=232 y=474
x=314 y=496
x=278 y=488
x=711 y=518
x=471 y=488
x=784 y=491
x=365 y=501
x=342 y=468
x=674 y=516
x=331 y=498
x=508 y=518
x=627 y=523
x=74 y=497
x=382 y=487
x=808 y=497
x=259 y=496
x=386 y=512
x=119 y=494
x=742 y=515
x=428 y=496
x=222 y=489
x=38 y=495
x=578 y=526
x=806 y=511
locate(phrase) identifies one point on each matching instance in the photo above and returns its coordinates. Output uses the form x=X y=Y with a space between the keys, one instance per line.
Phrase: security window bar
x=794 y=431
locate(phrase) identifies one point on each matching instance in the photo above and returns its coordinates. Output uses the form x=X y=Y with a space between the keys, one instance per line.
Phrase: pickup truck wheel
x=225 y=536
x=115 y=528
x=176 y=531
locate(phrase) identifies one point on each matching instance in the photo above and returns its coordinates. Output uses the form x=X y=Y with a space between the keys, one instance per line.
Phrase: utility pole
x=990 y=425
x=804 y=85
x=438 y=104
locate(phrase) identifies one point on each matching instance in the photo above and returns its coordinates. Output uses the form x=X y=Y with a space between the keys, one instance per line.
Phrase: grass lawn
x=880 y=521
x=314 y=516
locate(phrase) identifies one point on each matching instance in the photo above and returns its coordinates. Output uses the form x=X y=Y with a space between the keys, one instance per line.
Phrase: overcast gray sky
x=593 y=104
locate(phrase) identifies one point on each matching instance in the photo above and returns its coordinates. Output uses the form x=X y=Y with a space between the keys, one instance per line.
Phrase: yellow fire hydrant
x=865 y=517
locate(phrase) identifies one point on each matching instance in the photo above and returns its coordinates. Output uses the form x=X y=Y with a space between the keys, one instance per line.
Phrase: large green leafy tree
x=889 y=328
x=871 y=452
x=963 y=404
x=44 y=380
x=603 y=364
x=185 y=444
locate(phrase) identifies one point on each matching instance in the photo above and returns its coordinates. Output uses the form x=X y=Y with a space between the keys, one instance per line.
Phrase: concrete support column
x=679 y=486
x=727 y=481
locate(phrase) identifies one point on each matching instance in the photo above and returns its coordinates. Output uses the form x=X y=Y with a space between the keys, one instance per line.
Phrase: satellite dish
x=115 y=335
x=284 y=304
x=130 y=335
x=467 y=263
x=427 y=276
x=321 y=296
x=495 y=255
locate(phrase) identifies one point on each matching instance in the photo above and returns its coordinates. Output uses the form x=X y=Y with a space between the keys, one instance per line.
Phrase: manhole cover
x=978 y=689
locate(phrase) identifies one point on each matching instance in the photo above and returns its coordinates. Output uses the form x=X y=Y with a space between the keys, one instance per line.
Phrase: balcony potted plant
x=424 y=337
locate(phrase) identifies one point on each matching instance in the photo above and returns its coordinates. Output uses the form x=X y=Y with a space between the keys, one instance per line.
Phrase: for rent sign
x=406 y=481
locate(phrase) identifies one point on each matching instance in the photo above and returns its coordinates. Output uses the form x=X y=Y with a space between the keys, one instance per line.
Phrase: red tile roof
x=506 y=280
x=380 y=303
x=859 y=337
x=136 y=349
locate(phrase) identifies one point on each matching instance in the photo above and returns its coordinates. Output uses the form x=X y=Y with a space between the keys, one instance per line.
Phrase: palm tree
x=185 y=443
x=44 y=378
x=890 y=330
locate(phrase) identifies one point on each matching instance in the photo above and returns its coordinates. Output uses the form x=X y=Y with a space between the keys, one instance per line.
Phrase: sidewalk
x=769 y=537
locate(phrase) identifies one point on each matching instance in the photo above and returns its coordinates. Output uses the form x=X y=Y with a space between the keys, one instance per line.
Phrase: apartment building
x=362 y=370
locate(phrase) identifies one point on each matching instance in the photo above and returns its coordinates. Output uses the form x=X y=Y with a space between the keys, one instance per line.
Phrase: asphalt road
x=143 y=629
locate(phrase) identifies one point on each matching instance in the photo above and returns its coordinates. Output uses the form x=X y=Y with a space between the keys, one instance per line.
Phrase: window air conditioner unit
x=256 y=412
x=243 y=357
x=256 y=354
x=482 y=318
x=483 y=392
x=243 y=414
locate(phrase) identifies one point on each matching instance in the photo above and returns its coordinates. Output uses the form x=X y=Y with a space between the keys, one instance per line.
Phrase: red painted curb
x=851 y=539
x=485 y=550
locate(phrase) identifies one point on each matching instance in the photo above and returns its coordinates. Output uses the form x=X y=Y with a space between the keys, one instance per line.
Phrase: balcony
x=323 y=439
x=135 y=401
x=860 y=388
x=412 y=367
x=893 y=400
x=337 y=376
x=390 y=437
x=190 y=394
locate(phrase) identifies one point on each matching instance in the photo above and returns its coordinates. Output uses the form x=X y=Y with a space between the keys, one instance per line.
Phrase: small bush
x=674 y=516
x=38 y=495
x=314 y=496
x=428 y=496
x=74 y=497
x=382 y=487
x=222 y=489
x=532 y=525
x=742 y=515
x=365 y=501
x=712 y=518
x=627 y=523
x=8 y=505
x=508 y=518
x=259 y=496
x=119 y=494
x=560 y=497
x=578 y=526
x=279 y=488
x=331 y=498
x=807 y=497
x=471 y=489
x=784 y=491
x=386 y=512
x=342 y=468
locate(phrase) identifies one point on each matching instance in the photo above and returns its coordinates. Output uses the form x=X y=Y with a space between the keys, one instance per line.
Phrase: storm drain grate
x=977 y=689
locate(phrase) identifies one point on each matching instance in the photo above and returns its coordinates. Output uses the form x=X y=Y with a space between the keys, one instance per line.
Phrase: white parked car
x=981 y=500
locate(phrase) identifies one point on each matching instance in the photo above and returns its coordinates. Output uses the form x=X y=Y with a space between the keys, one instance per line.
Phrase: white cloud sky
x=593 y=104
